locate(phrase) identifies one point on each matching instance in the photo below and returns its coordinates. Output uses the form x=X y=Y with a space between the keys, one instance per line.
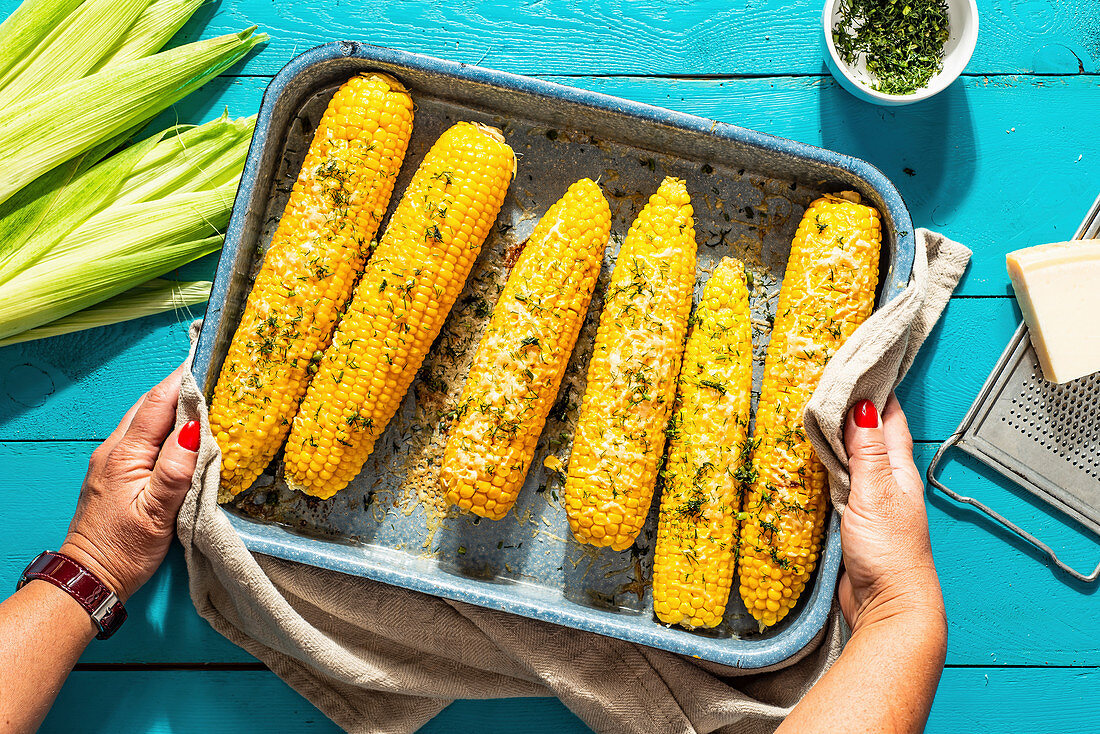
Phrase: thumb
x=868 y=457
x=172 y=474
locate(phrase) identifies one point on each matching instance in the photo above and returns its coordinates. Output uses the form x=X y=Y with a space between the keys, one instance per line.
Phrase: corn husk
x=148 y=209
x=38 y=216
x=113 y=251
x=179 y=160
x=44 y=131
x=65 y=284
x=146 y=299
x=153 y=28
x=190 y=158
x=74 y=48
x=82 y=230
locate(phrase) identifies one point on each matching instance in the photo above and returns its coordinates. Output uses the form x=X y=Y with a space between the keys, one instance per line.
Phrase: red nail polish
x=866 y=415
x=189 y=436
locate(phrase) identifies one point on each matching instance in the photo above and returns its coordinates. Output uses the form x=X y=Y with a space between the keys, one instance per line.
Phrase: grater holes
x=1061 y=419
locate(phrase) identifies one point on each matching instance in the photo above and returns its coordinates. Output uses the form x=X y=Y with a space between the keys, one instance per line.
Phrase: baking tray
x=749 y=191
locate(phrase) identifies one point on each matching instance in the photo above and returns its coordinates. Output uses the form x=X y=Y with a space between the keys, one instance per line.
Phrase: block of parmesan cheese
x=1058 y=288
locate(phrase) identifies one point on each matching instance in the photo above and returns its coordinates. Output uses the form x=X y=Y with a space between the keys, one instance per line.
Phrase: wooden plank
x=1005 y=605
x=1016 y=699
x=165 y=701
x=954 y=363
x=640 y=37
x=979 y=155
x=161 y=702
x=1006 y=700
x=79 y=385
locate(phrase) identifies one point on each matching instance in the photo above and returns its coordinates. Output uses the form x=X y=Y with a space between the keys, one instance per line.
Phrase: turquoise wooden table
x=1006 y=157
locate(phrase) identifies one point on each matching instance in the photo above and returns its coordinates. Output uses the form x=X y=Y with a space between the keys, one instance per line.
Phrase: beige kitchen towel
x=380 y=659
x=876 y=358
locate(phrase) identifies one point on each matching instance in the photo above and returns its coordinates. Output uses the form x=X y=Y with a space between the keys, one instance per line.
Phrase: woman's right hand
x=888 y=567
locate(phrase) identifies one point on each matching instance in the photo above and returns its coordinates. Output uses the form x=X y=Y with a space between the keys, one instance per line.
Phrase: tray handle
x=997 y=517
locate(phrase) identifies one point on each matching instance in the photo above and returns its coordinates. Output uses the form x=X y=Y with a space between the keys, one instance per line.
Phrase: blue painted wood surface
x=1006 y=157
x=987 y=699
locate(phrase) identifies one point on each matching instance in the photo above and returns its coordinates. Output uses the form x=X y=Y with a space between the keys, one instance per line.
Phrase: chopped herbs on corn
x=522 y=357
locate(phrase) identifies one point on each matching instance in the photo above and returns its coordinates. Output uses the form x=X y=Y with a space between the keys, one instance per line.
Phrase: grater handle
x=996 y=516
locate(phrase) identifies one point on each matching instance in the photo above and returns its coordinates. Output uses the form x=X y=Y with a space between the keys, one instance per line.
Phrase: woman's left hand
x=126 y=515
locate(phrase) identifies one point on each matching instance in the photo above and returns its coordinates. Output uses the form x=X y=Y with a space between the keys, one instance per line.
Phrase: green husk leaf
x=191 y=159
x=138 y=229
x=151 y=31
x=74 y=48
x=23 y=213
x=113 y=251
x=146 y=299
x=27 y=27
x=28 y=229
x=70 y=119
x=178 y=160
x=80 y=287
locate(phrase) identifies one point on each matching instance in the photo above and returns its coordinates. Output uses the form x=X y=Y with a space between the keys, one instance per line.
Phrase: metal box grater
x=1042 y=436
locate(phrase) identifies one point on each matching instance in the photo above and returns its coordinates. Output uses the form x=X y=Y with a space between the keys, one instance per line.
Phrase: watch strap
x=102 y=604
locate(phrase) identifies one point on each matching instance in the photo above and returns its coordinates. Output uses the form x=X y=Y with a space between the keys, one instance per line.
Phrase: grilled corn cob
x=522 y=357
x=828 y=291
x=317 y=252
x=399 y=306
x=693 y=563
x=620 y=435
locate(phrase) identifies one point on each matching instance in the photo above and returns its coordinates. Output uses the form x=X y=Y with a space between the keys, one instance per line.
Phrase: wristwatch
x=101 y=603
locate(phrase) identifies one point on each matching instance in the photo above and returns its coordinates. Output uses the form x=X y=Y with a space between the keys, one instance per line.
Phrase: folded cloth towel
x=377 y=658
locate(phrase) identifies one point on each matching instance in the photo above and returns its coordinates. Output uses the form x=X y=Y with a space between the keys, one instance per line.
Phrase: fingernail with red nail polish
x=189 y=436
x=866 y=415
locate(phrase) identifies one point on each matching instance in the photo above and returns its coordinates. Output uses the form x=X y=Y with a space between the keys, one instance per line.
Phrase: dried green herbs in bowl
x=899 y=51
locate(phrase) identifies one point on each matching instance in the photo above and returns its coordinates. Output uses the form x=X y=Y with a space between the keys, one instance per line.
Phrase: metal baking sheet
x=748 y=190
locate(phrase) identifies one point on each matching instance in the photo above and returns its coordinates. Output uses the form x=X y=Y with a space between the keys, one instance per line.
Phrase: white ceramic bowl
x=963 y=19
